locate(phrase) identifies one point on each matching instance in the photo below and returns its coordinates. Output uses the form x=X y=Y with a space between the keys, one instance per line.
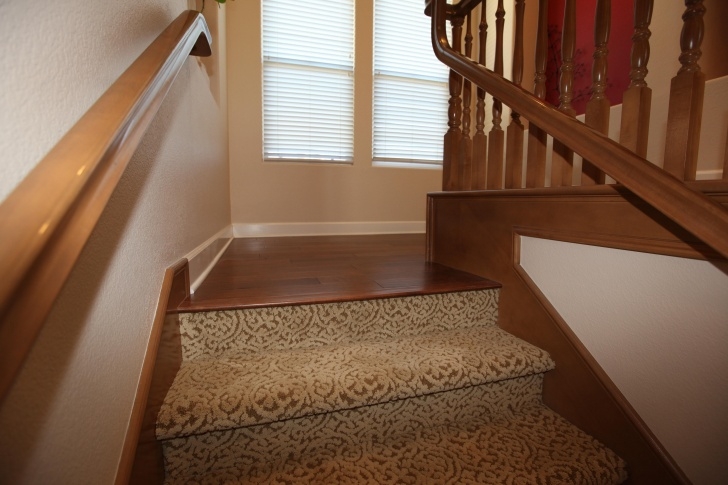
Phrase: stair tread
x=244 y=448
x=534 y=446
x=255 y=388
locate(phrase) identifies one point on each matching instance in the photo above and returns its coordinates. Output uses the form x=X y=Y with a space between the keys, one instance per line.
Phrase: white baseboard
x=204 y=257
x=327 y=228
x=716 y=174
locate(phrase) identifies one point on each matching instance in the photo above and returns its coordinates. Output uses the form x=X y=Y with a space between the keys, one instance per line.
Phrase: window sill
x=408 y=165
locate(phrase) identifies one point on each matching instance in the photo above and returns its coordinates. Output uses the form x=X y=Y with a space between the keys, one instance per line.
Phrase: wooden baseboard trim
x=140 y=460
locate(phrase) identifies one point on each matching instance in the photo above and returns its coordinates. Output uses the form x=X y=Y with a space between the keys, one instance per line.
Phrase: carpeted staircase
x=421 y=389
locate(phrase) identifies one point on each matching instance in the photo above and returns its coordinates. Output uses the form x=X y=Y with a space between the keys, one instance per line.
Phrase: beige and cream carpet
x=423 y=389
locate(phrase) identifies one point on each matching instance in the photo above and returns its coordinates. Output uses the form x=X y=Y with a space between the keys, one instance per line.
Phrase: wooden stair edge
x=141 y=459
x=188 y=306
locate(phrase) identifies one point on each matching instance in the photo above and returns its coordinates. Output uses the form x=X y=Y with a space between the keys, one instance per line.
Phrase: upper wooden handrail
x=47 y=220
x=460 y=9
x=701 y=216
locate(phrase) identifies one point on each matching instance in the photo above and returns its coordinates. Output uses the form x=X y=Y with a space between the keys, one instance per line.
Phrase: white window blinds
x=308 y=81
x=410 y=86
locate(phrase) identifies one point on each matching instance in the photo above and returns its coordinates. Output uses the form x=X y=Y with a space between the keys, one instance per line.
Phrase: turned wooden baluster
x=495 y=147
x=450 y=170
x=686 y=98
x=637 y=100
x=480 y=140
x=597 y=109
x=536 y=161
x=563 y=158
x=514 y=133
x=725 y=161
x=466 y=144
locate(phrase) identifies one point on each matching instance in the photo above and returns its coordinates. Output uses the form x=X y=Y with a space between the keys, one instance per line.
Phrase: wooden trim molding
x=667 y=247
x=327 y=228
x=480 y=232
x=47 y=220
x=141 y=459
x=698 y=214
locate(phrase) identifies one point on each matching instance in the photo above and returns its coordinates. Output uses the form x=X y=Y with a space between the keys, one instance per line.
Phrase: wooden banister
x=466 y=143
x=47 y=220
x=637 y=101
x=480 y=140
x=451 y=159
x=536 y=159
x=514 y=132
x=687 y=90
x=496 y=137
x=597 y=109
x=693 y=211
x=562 y=161
x=459 y=9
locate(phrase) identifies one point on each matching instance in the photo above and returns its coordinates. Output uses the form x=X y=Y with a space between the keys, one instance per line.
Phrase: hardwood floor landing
x=255 y=272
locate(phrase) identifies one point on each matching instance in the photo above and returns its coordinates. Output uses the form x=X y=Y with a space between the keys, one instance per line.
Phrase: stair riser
x=325 y=434
x=216 y=334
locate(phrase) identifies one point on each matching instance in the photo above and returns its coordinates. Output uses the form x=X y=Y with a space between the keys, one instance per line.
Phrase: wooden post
x=450 y=169
x=687 y=90
x=514 y=133
x=495 y=148
x=597 y=109
x=562 y=160
x=536 y=161
x=480 y=140
x=725 y=161
x=466 y=144
x=637 y=100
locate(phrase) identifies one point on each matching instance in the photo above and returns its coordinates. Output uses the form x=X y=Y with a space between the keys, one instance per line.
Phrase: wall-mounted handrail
x=701 y=216
x=46 y=221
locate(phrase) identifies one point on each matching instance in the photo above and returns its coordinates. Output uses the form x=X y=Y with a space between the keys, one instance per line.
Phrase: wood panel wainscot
x=479 y=232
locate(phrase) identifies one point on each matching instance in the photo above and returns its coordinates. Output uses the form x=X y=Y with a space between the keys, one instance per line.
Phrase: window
x=410 y=86
x=308 y=80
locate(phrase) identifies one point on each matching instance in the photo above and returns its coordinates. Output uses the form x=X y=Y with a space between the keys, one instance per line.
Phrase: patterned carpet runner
x=423 y=389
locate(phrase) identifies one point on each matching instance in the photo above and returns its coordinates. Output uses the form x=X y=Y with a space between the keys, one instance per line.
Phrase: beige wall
x=65 y=419
x=657 y=326
x=281 y=192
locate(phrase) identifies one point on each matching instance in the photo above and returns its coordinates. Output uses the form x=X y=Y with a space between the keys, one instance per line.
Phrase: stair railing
x=660 y=188
x=46 y=221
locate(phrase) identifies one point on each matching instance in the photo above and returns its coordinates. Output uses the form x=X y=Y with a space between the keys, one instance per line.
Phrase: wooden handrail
x=704 y=218
x=459 y=9
x=47 y=220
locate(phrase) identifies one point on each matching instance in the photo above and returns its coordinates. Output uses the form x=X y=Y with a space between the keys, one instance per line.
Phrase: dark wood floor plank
x=257 y=272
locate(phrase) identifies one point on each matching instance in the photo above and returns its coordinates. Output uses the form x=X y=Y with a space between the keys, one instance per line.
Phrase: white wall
x=658 y=326
x=65 y=419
